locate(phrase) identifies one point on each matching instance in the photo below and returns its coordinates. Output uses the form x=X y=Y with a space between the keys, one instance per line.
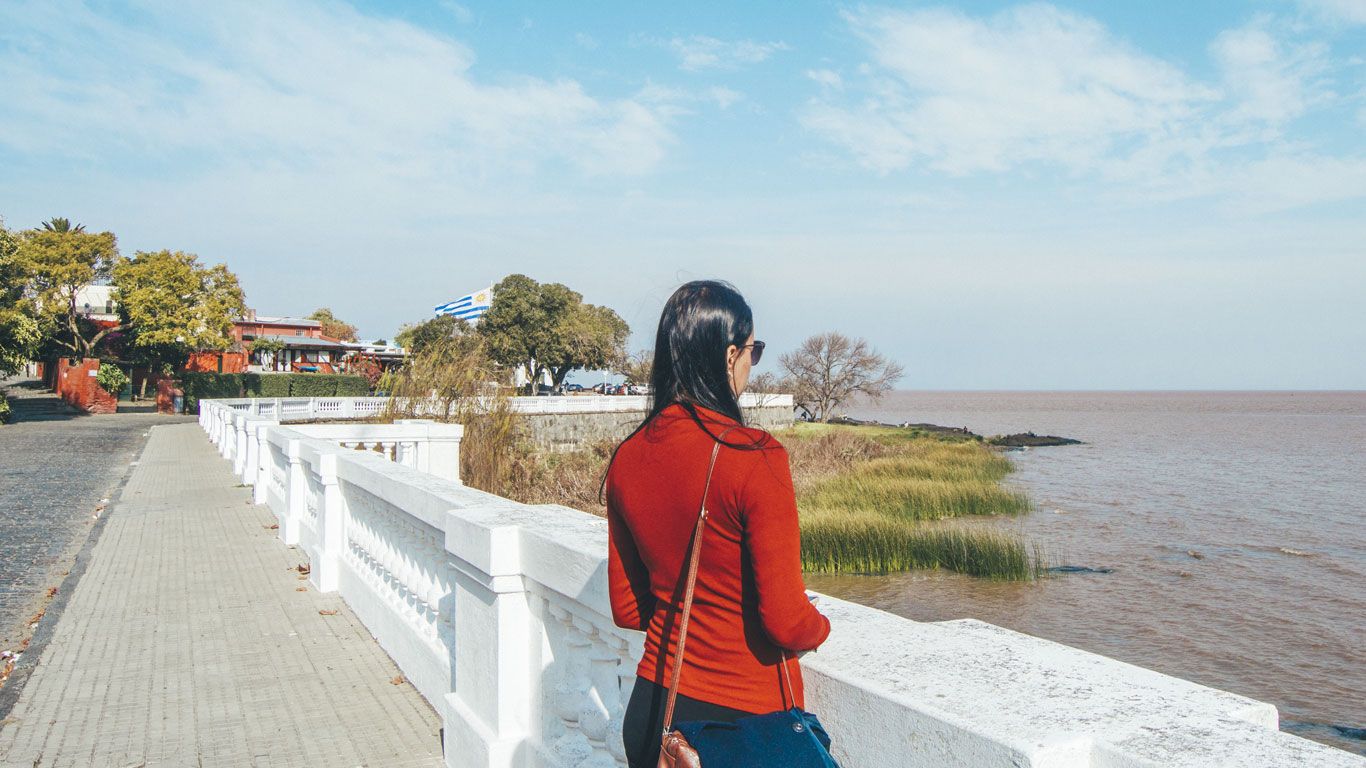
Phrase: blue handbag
x=792 y=738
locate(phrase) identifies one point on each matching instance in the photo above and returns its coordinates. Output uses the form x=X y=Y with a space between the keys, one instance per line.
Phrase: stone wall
x=567 y=431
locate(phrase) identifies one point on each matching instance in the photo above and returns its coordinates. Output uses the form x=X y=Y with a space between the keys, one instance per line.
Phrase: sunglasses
x=756 y=352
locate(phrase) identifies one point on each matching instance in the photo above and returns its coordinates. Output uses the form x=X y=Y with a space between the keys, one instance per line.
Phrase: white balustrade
x=498 y=613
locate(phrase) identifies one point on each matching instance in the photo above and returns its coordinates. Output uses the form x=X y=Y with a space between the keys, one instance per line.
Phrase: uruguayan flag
x=471 y=307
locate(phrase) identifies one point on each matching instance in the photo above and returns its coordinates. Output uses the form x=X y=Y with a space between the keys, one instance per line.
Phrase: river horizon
x=1231 y=521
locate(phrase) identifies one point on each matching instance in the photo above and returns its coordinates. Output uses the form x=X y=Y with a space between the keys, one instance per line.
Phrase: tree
x=591 y=337
x=172 y=305
x=62 y=224
x=830 y=368
x=19 y=329
x=419 y=336
x=637 y=368
x=63 y=260
x=333 y=326
x=547 y=327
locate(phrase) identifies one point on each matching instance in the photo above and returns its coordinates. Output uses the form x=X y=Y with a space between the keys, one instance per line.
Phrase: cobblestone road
x=55 y=467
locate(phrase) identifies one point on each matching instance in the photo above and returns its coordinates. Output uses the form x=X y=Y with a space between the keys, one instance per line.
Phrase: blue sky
x=998 y=195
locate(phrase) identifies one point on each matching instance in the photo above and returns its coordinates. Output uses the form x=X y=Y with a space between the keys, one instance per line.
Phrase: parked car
x=573 y=388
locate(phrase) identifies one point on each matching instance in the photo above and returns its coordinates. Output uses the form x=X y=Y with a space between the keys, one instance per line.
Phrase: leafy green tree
x=19 y=329
x=64 y=259
x=172 y=305
x=547 y=327
x=333 y=326
x=419 y=336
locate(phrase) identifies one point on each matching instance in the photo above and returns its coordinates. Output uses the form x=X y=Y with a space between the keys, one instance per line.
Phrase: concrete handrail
x=498 y=612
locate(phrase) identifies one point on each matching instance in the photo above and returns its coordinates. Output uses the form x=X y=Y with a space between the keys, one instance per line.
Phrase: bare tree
x=829 y=369
x=636 y=368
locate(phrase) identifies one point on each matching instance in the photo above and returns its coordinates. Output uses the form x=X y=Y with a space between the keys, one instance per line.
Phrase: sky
x=1072 y=195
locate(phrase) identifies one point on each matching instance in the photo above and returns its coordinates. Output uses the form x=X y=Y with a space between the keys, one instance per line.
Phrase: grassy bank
x=870 y=498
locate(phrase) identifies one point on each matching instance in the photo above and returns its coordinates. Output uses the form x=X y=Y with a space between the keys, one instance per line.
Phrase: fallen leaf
x=397 y=680
x=303 y=577
x=51 y=592
x=302 y=568
x=271 y=527
x=301 y=589
x=327 y=612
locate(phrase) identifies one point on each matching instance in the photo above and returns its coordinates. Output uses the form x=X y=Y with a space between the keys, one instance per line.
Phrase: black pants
x=643 y=724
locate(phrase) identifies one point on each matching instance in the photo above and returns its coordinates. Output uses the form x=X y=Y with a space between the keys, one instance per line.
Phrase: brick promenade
x=186 y=643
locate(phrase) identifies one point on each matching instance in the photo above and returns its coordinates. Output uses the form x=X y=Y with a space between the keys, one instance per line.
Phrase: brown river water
x=1233 y=522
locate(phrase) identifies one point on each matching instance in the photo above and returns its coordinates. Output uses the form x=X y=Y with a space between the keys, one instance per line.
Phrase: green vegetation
x=111 y=378
x=548 y=327
x=863 y=543
x=869 y=498
x=199 y=386
x=5 y=413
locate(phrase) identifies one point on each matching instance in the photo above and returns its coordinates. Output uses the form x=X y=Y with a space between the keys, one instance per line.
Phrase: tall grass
x=862 y=543
x=867 y=495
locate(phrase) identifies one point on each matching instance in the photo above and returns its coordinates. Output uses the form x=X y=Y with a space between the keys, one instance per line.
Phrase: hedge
x=209 y=386
x=229 y=385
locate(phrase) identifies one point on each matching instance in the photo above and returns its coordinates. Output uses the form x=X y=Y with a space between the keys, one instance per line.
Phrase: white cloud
x=1036 y=85
x=306 y=86
x=700 y=52
x=825 y=77
x=1339 y=11
x=1271 y=81
x=461 y=13
x=1033 y=83
x=724 y=97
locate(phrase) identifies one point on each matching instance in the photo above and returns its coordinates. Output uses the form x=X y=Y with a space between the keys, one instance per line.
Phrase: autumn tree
x=419 y=336
x=547 y=327
x=62 y=260
x=333 y=326
x=829 y=369
x=172 y=305
x=19 y=330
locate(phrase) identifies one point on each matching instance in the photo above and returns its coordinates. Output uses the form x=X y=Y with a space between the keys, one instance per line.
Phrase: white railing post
x=331 y=536
x=261 y=483
x=251 y=457
x=296 y=486
x=488 y=715
x=239 y=452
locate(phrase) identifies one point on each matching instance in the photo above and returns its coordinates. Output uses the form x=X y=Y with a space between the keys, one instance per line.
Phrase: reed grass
x=868 y=497
x=842 y=542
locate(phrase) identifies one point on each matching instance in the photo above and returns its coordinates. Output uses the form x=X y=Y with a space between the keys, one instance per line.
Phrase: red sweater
x=749 y=600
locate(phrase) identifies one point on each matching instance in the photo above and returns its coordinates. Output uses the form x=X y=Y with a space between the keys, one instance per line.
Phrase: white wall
x=498 y=612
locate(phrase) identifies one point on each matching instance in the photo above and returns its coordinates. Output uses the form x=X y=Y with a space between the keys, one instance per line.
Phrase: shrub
x=112 y=378
x=353 y=386
x=312 y=385
x=209 y=386
x=273 y=384
x=5 y=413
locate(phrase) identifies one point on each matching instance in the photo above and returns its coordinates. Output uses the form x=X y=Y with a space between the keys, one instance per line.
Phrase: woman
x=749 y=607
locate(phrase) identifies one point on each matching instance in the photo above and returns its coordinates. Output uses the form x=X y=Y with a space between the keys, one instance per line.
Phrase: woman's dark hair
x=699 y=322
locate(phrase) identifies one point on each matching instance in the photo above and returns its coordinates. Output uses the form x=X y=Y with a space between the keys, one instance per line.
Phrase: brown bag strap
x=687 y=595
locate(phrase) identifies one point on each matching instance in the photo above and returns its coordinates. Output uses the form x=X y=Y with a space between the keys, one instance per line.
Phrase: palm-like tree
x=62 y=224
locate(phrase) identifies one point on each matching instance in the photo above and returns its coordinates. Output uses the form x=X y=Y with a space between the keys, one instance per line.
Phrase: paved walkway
x=186 y=643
